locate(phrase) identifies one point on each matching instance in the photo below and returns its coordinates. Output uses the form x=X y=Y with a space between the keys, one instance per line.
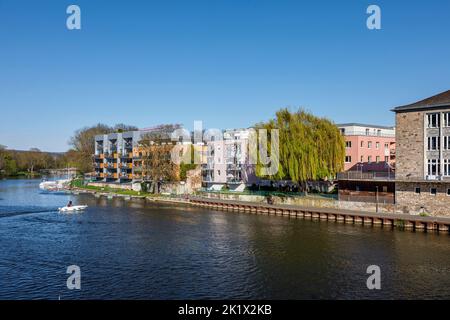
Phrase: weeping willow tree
x=310 y=148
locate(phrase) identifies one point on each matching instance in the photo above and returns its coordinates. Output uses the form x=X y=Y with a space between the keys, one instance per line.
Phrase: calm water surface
x=133 y=250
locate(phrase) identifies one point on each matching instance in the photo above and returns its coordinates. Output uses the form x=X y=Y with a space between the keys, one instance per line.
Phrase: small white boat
x=72 y=208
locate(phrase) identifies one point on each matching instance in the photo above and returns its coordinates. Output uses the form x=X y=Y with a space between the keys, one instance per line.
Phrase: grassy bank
x=79 y=184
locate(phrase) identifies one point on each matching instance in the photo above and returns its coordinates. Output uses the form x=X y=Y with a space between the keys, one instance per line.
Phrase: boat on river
x=72 y=208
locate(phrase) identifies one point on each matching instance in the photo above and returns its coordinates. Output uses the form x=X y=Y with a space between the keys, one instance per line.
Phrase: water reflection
x=131 y=249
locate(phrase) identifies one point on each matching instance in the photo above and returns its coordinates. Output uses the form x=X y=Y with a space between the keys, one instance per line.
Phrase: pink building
x=367 y=144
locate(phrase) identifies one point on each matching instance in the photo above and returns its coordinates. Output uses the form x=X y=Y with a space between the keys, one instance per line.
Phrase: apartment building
x=367 y=144
x=227 y=161
x=423 y=155
x=115 y=156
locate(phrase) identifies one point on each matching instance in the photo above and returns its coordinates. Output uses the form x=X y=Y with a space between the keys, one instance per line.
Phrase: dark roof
x=438 y=101
x=363 y=125
x=372 y=167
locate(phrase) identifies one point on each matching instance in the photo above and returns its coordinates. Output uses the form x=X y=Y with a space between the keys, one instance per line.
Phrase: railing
x=369 y=134
x=234 y=167
x=271 y=193
x=359 y=175
x=234 y=180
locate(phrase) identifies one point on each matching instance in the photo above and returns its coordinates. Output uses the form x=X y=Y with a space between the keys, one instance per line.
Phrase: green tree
x=310 y=148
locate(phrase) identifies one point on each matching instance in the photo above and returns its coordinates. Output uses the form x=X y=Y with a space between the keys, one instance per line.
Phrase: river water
x=133 y=250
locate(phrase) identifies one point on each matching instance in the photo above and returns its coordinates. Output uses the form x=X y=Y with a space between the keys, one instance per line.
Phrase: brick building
x=423 y=156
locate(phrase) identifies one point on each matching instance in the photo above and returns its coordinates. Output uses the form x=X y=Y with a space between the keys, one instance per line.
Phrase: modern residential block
x=227 y=161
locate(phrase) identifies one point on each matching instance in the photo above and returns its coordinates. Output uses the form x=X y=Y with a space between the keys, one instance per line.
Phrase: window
x=433 y=191
x=385 y=189
x=446 y=119
x=369 y=159
x=369 y=144
x=362 y=144
x=433 y=143
x=377 y=145
x=362 y=158
x=378 y=132
x=448 y=192
x=434 y=167
x=386 y=146
x=348 y=159
x=433 y=120
x=417 y=190
x=218 y=172
x=348 y=144
x=377 y=159
x=386 y=158
x=342 y=131
x=446 y=167
x=367 y=132
x=446 y=142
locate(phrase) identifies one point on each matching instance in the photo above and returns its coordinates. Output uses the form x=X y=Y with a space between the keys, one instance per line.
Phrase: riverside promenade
x=386 y=220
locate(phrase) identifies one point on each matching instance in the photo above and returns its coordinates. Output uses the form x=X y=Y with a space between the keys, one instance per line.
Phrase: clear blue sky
x=228 y=63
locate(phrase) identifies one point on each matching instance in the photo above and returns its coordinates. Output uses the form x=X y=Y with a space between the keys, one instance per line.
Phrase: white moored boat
x=72 y=208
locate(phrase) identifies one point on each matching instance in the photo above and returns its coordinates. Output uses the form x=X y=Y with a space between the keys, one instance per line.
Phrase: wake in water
x=10 y=211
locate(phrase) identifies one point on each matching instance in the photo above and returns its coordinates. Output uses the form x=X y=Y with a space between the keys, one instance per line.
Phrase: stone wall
x=117 y=186
x=308 y=201
x=409 y=145
x=408 y=201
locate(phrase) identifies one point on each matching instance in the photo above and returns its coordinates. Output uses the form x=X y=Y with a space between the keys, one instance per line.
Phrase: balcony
x=208 y=166
x=126 y=165
x=359 y=175
x=234 y=180
x=126 y=155
x=207 y=179
x=234 y=167
x=126 y=176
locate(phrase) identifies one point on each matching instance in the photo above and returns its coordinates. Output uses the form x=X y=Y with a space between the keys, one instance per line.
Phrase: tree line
x=82 y=143
x=30 y=162
x=310 y=148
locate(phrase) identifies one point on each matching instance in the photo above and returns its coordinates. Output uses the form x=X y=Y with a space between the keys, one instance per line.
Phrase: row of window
x=434 y=167
x=434 y=143
x=348 y=159
x=433 y=191
x=434 y=120
x=348 y=144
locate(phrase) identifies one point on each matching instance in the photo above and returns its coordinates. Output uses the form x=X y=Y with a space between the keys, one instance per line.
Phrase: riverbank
x=387 y=220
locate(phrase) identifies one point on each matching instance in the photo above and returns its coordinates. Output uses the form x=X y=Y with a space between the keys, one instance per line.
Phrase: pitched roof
x=436 y=101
